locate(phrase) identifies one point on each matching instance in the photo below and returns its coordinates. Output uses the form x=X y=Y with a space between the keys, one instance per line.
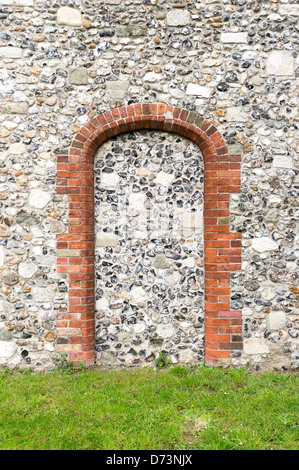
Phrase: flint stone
x=39 y=199
x=255 y=346
x=251 y=285
x=137 y=30
x=192 y=220
x=122 y=31
x=276 y=320
x=106 y=239
x=272 y=215
x=78 y=76
x=136 y=200
x=281 y=161
x=50 y=336
x=124 y=336
x=5 y=335
x=152 y=77
x=178 y=17
x=11 y=279
x=139 y=296
x=233 y=38
x=189 y=262
x=24 y=3
x=102 y=304
x=268 y=294
x=49 y=260
x=263 y=244
x=139 y=328
x=27 y=220
x=280 y=63
x=69 y=17
x=14 y=107
x=176 y=93
x=11 y=52
x=56 y=226
x=160 y=262
x=51 y=101
x=2 y=256
x=165 y=179
x=234 y=149
x=41 y=294
x=16 y=149
x=7 y=349
x=117 y=89
x=197 y=90
x=290 y=10
x=27 y=270
x=186 y=356
x=165 y=331
x=107 y=359
x=110 y=180
x=234 y=114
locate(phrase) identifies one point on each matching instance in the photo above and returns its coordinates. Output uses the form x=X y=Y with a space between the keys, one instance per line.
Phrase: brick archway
x=75 y=249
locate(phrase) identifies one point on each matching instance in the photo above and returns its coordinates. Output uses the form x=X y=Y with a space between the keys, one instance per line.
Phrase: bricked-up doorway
x=149 y=276
x=76 y=248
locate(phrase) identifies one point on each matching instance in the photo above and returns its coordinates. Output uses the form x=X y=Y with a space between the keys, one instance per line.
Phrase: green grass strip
x=177 y=408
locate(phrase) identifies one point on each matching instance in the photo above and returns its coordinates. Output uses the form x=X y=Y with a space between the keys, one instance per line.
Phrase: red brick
x=217 y=337
x=222 y=354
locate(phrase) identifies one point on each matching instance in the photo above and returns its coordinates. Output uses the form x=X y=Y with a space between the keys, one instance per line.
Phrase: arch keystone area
x=75 y=249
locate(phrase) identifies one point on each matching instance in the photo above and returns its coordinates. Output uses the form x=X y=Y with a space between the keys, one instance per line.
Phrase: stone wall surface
x=235 y=64
x=150 y=277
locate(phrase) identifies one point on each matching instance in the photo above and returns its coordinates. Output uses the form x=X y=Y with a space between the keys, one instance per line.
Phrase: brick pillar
x=222 y=255
x=75 y=256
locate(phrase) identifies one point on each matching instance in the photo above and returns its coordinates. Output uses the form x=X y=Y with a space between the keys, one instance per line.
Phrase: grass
x=176 y=408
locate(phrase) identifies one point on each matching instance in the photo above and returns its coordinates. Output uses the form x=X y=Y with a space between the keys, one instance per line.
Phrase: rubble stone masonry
x=149 y=183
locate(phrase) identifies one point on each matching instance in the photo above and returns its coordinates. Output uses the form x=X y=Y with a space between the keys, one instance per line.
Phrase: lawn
x=176 y=408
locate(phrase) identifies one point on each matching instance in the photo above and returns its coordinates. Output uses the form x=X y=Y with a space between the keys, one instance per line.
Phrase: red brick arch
x=75 y=249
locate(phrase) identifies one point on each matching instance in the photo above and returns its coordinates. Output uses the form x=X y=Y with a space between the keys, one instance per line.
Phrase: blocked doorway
x=149 y=248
